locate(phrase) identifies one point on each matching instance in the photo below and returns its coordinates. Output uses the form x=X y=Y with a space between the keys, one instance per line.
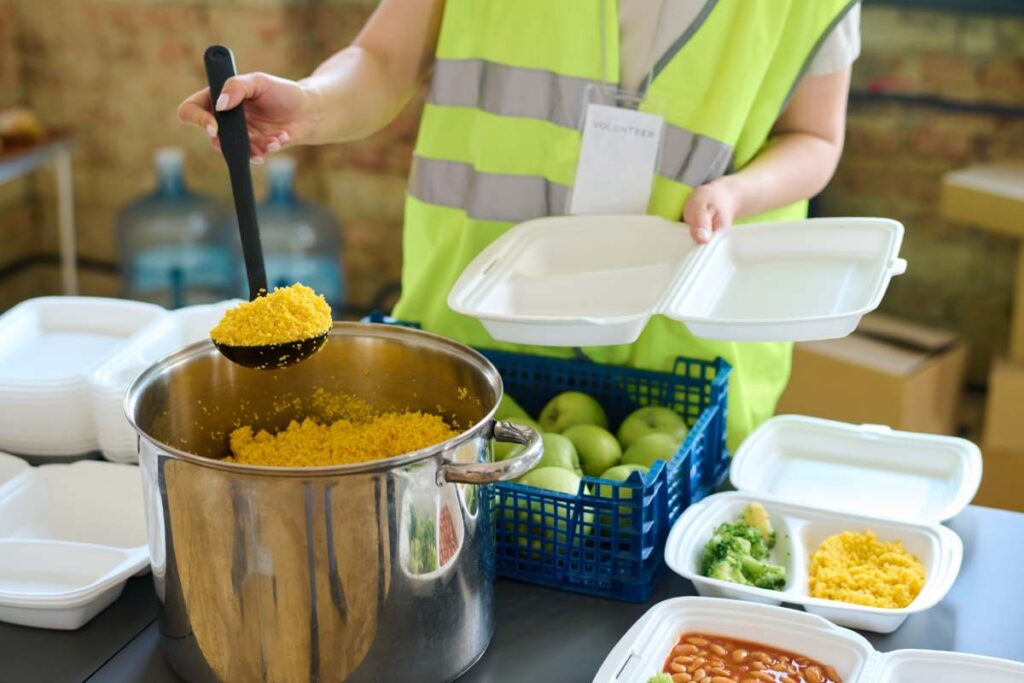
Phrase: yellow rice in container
x=288 y=314
x=858 y=568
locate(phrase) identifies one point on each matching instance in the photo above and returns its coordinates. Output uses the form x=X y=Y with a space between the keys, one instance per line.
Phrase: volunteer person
x=752 y=95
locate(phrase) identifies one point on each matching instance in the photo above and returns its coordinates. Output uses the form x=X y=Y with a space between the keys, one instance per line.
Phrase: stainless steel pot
x=380 y=571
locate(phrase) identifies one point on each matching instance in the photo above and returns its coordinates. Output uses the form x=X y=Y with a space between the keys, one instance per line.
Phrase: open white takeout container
x=642 y=651
x=70 y=536
x=799 y=531
x=820 y=477
x=597 y=280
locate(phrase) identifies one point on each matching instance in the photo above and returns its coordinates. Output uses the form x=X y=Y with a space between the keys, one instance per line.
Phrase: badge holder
x=619 y=153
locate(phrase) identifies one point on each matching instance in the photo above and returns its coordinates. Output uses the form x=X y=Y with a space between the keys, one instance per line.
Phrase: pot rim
x=348 y=328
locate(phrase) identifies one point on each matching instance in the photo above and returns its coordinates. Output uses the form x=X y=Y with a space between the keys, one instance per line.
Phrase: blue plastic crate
x=608 y=539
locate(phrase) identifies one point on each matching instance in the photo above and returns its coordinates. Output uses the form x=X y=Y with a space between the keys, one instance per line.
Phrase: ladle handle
x=234 y=143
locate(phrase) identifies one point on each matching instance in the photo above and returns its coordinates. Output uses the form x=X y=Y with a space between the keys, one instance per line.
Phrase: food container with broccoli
x=727 y=640
x=759 y=548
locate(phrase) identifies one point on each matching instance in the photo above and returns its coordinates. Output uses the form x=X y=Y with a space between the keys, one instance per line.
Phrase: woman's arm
x=797 y=162
x=353 y=94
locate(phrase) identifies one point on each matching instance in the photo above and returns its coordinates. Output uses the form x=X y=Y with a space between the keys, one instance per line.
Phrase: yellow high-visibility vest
x=499 y=141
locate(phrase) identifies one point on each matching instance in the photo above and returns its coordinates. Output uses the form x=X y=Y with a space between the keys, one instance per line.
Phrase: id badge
x=618 y=154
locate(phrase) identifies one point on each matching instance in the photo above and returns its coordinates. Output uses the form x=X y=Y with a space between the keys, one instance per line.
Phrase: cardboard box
x=889 y=372
x=1004 y=409
x=1002 y=480
x=990 y=196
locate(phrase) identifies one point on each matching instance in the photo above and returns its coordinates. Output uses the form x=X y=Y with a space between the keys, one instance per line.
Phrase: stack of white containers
x=48 y=348
x=66 y=363
x=109 y=383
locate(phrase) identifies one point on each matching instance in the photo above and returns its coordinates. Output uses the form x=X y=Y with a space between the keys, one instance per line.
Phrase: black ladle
x=234 y=143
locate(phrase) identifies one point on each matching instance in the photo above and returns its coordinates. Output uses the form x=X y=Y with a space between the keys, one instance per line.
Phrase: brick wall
x=897 y=152
x=114 y=70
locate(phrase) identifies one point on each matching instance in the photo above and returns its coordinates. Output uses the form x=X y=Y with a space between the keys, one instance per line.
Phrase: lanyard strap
x=603 y=32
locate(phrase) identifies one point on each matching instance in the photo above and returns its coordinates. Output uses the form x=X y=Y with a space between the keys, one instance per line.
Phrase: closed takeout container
x=70 y=536
x=109 y=382
x=642 y=651
x=597 y=280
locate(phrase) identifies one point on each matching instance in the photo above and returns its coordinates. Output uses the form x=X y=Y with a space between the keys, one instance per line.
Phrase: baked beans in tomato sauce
x=704 y=658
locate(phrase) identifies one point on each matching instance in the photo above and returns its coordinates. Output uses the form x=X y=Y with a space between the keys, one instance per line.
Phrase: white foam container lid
x=597 y=280
x=70 y=536
x=642 y=651
x=867 y=469
x=800 y=530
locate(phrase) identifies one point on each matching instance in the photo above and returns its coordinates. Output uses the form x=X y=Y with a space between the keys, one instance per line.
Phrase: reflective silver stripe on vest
x=508 y=90
x=686 y=157
x=485 y=196
x=692 y=159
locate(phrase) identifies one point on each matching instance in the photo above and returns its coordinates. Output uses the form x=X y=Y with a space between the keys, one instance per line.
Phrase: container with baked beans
x=799 y=530
x=711 y=640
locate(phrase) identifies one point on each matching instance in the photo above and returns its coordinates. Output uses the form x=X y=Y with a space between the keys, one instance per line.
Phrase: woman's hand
x=710 y=207
x=279 y=112
x=796 y=163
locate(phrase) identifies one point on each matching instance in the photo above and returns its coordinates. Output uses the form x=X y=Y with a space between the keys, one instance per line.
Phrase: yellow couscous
x=288 y=314
x=858 y=568
x=357 y=433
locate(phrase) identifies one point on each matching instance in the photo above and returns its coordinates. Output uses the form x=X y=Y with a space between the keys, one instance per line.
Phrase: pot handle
x=490 y=472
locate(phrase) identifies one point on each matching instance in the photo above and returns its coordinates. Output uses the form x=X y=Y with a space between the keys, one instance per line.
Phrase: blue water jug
x=301 y=240
x=177 y=247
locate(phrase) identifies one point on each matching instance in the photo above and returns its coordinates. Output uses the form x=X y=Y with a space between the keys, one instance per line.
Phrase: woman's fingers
x=197 y=111
x=237 y=89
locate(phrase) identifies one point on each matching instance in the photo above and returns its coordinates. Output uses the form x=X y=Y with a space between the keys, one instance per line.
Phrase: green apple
x=618 y=473
x=504 y=450
x=572 y=408
x=650 y=448
x=651 y=420
x=559 y=452
x=597 y=448
x=509 y=410
x=552 y=479
x=542 y=514
x=621 y=473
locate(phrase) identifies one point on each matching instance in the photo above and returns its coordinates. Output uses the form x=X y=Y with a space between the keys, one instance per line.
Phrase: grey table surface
x=545 y=635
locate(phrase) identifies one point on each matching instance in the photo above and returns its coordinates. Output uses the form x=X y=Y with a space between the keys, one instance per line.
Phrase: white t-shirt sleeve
x=841 y=47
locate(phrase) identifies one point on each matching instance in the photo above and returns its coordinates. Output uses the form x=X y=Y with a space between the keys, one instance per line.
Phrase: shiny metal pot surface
x=379 y=571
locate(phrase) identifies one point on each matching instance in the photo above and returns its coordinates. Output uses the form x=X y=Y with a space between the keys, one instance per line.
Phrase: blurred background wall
x=936 y=88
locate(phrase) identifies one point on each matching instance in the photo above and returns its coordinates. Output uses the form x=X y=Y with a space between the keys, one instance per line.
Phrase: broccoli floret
x=762 y=574
x=727 y=569
x=660 y=678
x=739 y=551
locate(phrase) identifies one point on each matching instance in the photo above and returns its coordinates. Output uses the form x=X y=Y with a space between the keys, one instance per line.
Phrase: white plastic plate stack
x=642 y=651
x=110 y=381
x=70 y=536
x=48 y=347
x=817 y=478
x=597 y=280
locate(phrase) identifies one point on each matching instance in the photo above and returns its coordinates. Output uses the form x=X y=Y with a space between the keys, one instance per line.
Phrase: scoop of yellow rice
x=287 y=314
x=858 y=568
